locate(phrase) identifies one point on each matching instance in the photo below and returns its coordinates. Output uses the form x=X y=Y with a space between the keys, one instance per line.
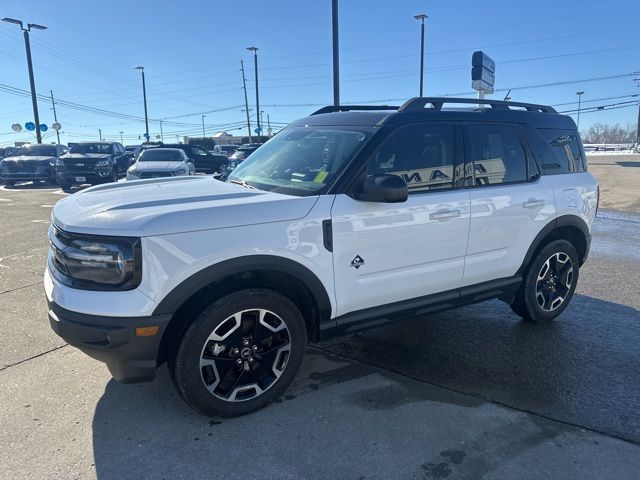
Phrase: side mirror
x=383 y=188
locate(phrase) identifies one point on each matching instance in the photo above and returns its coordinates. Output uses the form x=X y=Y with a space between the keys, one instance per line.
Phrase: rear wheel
x=549 y=283
x=240 y=353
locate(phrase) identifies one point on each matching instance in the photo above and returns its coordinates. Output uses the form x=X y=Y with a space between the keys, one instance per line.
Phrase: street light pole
x=255 y=64
x=144 y=96
x=246 y=102
x=203 y=135
x=161 y=133
x=336 y=55
x=421 y=17
x=579 y=104
x=32 y=82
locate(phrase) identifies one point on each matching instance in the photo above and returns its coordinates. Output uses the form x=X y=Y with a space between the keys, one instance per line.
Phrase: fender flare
x=558 y=222
x=183 y=291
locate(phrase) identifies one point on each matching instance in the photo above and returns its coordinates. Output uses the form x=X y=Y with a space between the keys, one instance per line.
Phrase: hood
x=85 y=156
x=173 y=205
x=33 y=158
x=158 y=166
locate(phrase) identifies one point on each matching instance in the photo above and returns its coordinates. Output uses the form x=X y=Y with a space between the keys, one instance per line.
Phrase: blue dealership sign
x=30 y=126
x=43 y=127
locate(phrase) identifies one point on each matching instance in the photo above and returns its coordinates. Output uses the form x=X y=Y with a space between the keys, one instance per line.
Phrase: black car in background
x=242 y=153
x=31 y=163
x=92 y=163
x=205 y=162
x=8 y=151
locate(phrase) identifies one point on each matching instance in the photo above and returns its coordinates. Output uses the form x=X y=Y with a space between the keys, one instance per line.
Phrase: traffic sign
x=30 y=126
x=258 y=131
x=43 y=127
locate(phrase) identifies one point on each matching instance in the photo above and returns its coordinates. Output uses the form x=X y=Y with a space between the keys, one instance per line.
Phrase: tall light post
x=161 y=133
x=336 y=55
x=421 y=17
x=255 y=64
x=203 y=136
x=579 y=104
x=144 y=96
x=26 y=29
x=121 y=140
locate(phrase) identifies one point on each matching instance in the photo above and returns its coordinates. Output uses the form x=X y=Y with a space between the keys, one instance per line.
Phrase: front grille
x=22 y=166
x=80 y=166
x=155 y=174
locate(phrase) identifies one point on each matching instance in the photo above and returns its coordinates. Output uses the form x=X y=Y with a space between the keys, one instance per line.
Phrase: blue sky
x=192 y=51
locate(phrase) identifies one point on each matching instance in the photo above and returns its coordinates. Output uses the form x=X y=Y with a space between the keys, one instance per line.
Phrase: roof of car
x=171 y=149
x=432 y=109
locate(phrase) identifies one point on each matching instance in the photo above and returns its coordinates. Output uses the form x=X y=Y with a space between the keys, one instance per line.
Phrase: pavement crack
x=20 y=288
x=475 y=395
x=5 y=367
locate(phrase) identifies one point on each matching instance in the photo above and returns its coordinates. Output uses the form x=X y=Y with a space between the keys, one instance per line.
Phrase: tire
x=249 y=363
x=114 y=176
x=549 y=283
x=64 y=186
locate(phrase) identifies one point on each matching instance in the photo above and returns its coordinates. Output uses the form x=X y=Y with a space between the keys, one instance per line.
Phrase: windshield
x=91 y=148
x=301 y=160
x=38 y=150
x=160 y=155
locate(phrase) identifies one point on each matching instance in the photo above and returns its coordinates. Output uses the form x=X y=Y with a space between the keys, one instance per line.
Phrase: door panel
x=508 y=209
x=406 y=250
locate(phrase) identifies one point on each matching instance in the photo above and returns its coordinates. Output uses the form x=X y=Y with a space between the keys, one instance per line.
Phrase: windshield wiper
x=243 y=183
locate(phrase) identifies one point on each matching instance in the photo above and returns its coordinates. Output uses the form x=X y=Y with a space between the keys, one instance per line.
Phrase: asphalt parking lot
x=468 y=393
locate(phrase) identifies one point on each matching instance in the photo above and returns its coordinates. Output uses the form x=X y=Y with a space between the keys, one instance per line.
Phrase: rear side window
x=423 y=155
x=567 y=152
x=497 y=154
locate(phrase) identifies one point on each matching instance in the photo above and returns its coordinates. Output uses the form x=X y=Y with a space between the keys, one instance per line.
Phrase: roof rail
x=349 y=108
x=419 y=104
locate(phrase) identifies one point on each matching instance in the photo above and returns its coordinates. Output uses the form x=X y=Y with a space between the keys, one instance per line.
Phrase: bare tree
x=606 y=133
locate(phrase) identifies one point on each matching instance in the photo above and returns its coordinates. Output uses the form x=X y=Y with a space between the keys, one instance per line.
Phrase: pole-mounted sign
x=483 y=73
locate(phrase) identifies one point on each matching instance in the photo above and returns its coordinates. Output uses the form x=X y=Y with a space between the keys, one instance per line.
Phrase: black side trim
x=190 y=286
x=327 y=235
x=383 y=314
x=562 y=221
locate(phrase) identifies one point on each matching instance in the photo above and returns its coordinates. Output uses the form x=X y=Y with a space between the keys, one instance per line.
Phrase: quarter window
x=423 y=155
x=496 y=154
x=568 y=153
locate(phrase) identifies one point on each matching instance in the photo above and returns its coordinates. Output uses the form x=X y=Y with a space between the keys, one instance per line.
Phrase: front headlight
x=180 y=171
x=102 y=163
x=91 y=262
x=133 y=171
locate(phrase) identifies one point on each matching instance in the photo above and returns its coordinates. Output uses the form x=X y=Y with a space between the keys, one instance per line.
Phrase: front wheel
x=549 y=283
x=240 y=353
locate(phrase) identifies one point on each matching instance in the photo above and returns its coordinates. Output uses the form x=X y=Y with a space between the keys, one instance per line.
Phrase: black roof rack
x=349 y=108
x=418 y=104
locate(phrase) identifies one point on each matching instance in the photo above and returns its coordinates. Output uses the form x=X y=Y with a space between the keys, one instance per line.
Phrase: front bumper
x=25 y=177
x=112 y=340
x=71 y=178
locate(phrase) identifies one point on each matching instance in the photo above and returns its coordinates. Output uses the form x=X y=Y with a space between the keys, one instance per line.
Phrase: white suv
x=343 y=221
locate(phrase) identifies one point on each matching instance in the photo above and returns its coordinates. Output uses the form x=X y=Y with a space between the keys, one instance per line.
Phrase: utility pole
x=203 y=135
x=255 y=65
x=246 y=101
x=32 y=82
x=336 y=56
x=55 y=117
x=100 y=133
x=421 y=17
x=144 y=96
x=177 y=138
x=161 y=133
x=121 y=140
x=269 y=125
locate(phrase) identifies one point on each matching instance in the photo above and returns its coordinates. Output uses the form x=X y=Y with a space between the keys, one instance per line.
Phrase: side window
x=497 y=154
x=199 y=152
x=567 y=151
x=423 y=155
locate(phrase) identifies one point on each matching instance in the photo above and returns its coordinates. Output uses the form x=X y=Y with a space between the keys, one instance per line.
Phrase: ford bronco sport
x=345 y=220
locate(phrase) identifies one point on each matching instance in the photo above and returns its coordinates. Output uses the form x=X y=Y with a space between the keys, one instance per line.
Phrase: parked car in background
x=140 y=148
x=8 y=151
x=31 y=163
x=161 y=162
x=242 y=153
x=226 y=150
x=130 y=148
x=204 y=161
x=92 y=163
